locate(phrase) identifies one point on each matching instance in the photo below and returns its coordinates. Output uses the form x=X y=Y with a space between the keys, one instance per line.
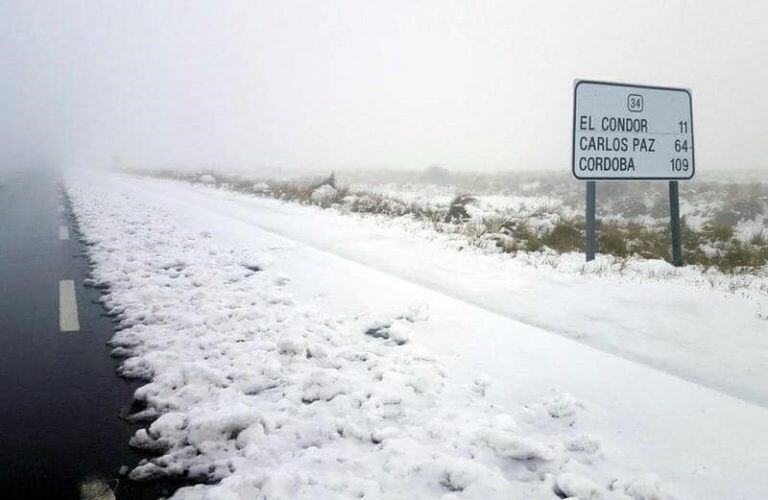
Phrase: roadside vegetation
x=725 y=226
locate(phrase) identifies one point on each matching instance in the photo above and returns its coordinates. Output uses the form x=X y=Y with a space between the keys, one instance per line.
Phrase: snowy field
x=292 y=352
x=725 y=221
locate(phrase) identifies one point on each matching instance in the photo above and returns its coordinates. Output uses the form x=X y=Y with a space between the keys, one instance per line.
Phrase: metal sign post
x=674 y=224
x=632 y=132
x=591 y=223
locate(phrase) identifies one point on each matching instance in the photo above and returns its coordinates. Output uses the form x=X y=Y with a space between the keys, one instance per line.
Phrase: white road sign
x=631 y=132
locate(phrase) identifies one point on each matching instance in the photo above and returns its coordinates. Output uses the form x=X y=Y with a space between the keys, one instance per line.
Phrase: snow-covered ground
x=707 y=327
x=295 y=353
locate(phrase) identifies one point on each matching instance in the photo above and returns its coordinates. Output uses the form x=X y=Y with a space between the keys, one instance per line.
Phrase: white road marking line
x=68 y=320
x=63 y=233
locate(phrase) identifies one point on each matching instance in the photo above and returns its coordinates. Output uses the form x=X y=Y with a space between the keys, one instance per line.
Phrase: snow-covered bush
x=324 y=195
x=262 y=189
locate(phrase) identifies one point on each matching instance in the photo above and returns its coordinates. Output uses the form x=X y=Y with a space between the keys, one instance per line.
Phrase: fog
x=248 y=85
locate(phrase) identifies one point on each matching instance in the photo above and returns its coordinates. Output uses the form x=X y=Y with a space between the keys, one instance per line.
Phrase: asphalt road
x=60 y=397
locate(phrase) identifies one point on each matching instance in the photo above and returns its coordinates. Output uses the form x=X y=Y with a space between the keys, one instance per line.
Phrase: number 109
x=679 y=164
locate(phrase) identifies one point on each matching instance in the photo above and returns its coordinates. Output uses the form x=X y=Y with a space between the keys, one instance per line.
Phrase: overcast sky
x=342 y=84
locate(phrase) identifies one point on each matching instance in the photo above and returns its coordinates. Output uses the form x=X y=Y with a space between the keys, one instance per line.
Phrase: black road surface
x=59 y=394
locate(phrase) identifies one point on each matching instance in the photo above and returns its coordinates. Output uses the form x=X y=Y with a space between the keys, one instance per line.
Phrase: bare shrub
x=457 y=210
x=713 y=231
x=566 y=236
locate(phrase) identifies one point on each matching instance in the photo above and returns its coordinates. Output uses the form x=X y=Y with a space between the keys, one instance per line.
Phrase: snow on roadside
x=265 y=396
x=541 y=213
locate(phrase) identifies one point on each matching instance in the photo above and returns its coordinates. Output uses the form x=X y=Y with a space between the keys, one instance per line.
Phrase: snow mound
x=574 y=485
x=643 y=487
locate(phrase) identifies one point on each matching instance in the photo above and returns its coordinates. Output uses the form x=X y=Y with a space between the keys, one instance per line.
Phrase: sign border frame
x=618 y=84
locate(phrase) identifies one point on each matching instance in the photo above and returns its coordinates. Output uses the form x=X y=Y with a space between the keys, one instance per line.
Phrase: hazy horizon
x=361 y=85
